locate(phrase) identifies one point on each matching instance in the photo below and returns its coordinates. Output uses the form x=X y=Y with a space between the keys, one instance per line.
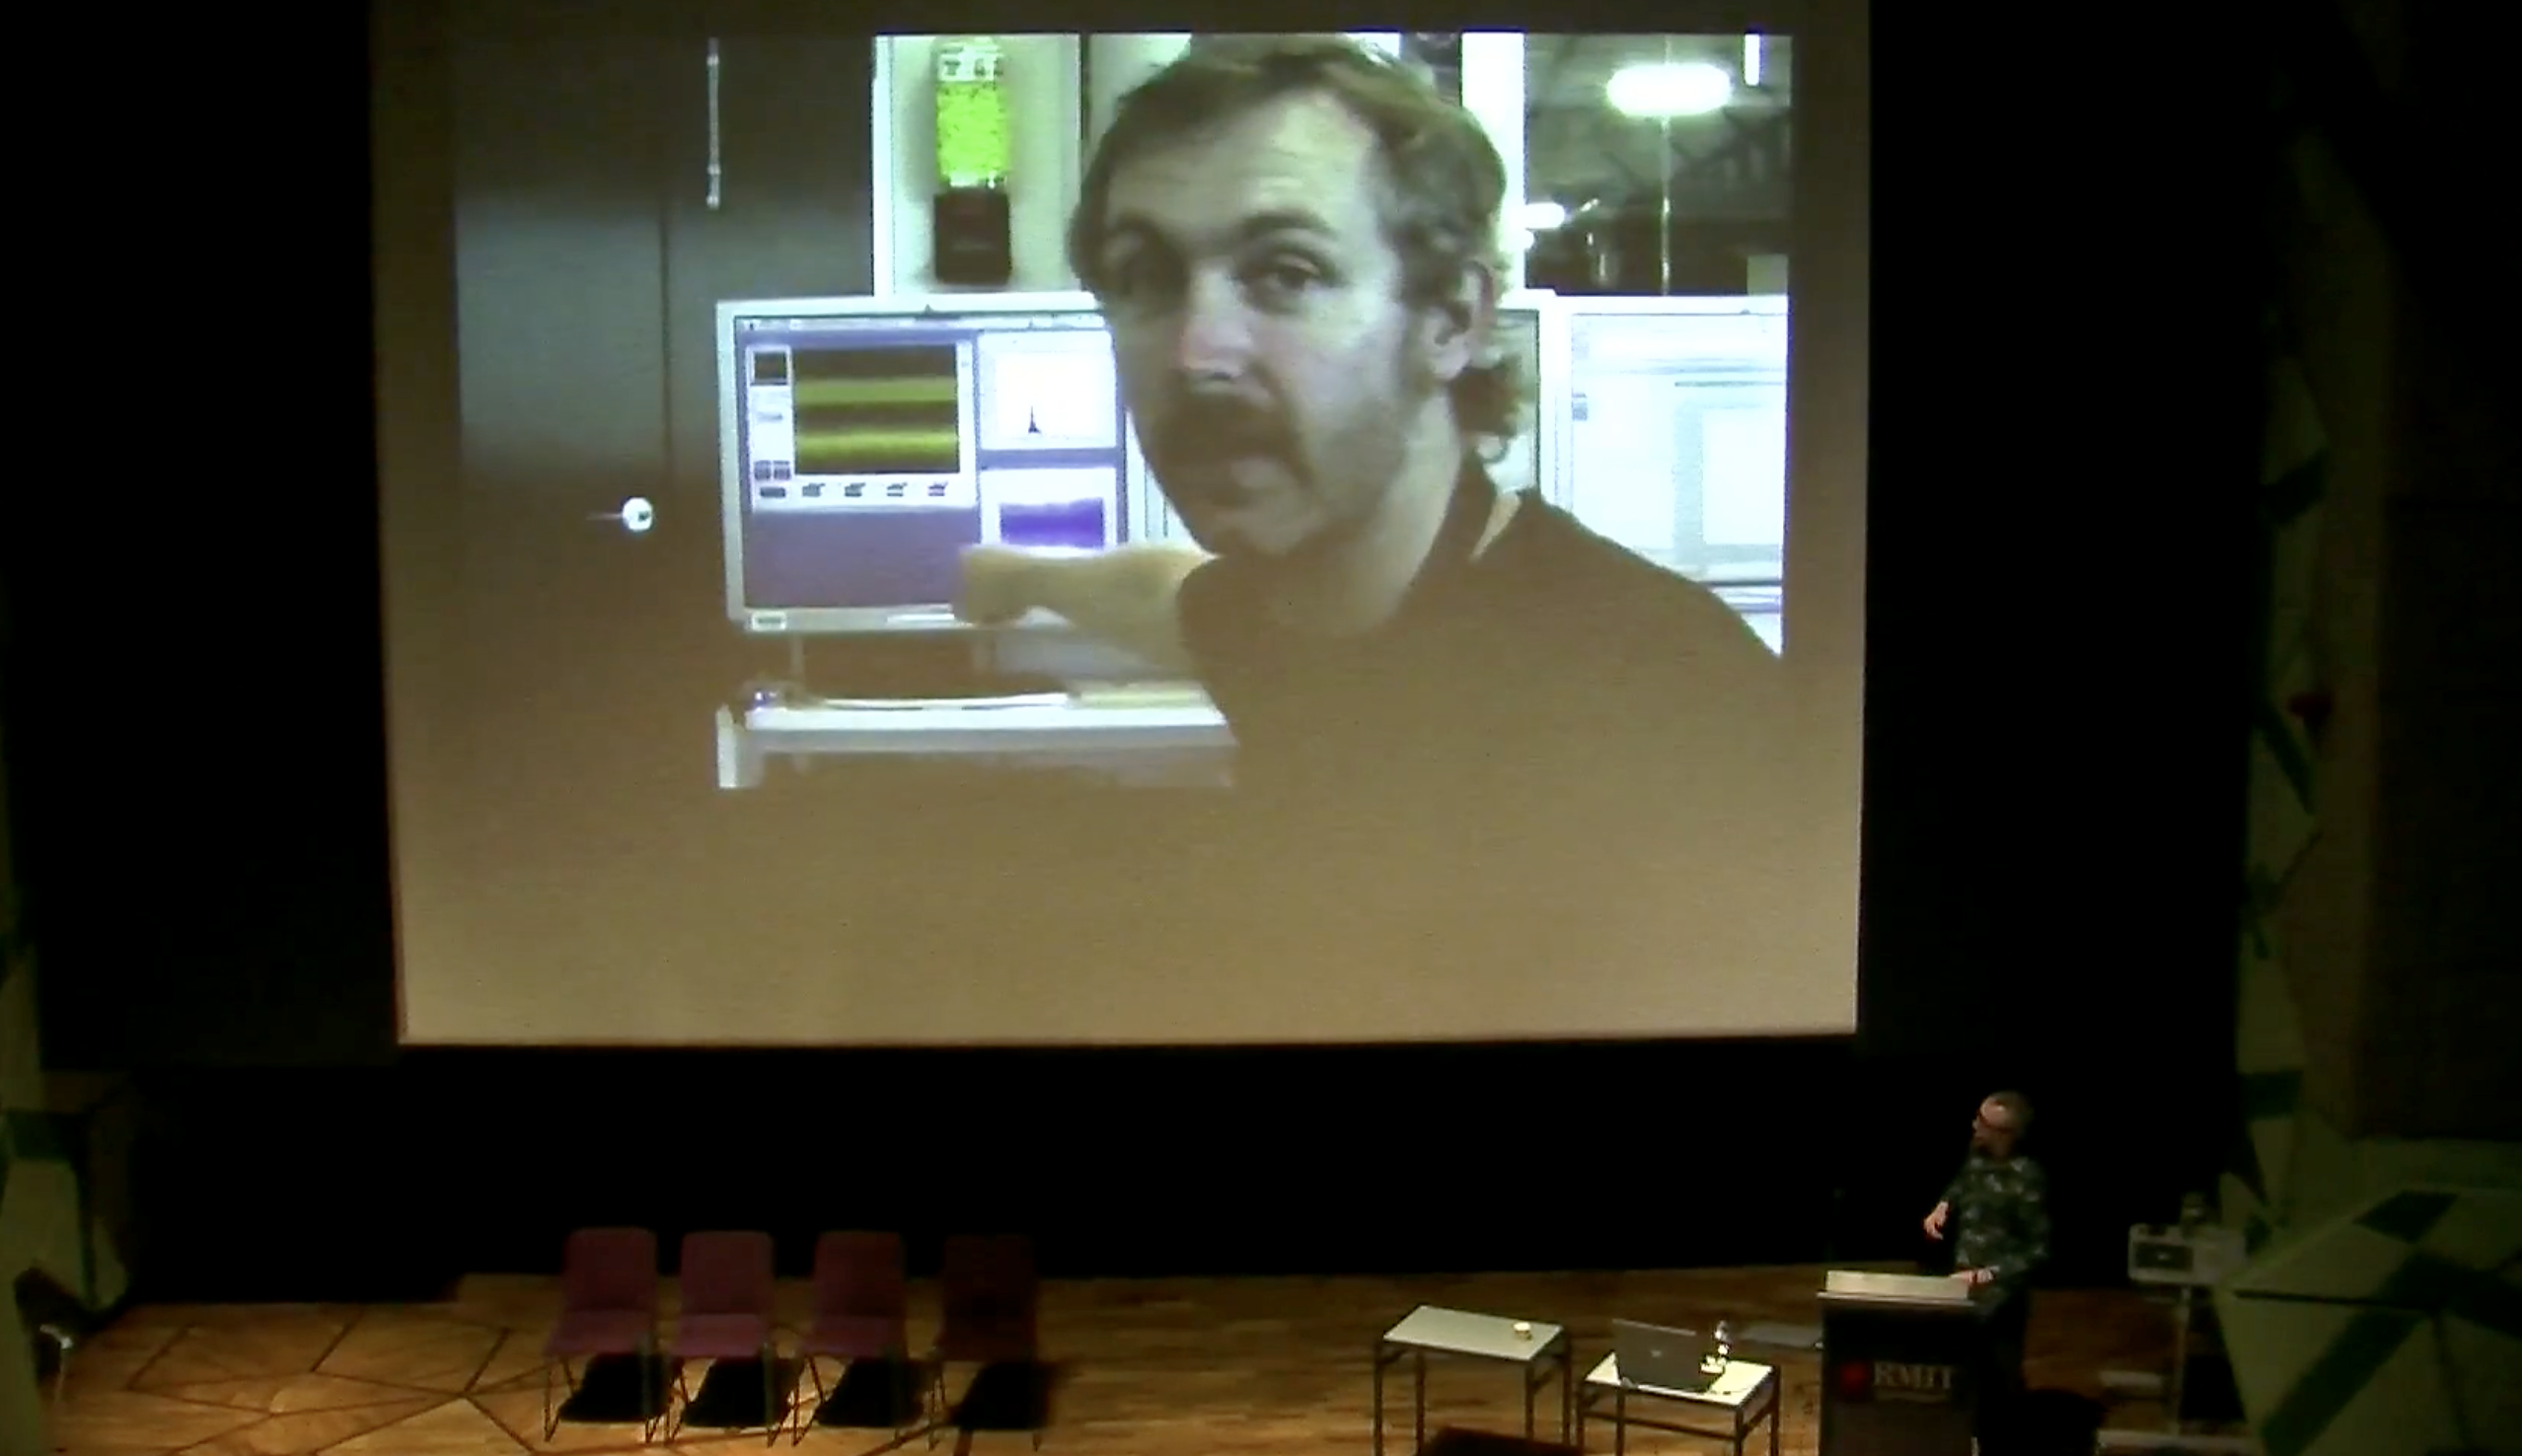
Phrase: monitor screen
x=715 y=724
x=868 y=447
x=1677 y=426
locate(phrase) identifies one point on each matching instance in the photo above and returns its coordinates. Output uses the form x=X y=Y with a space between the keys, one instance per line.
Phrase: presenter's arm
x=1124 y=596
x=1943 y=1210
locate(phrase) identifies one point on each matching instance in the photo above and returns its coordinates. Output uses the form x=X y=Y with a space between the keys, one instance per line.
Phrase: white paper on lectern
x=1914 y=1289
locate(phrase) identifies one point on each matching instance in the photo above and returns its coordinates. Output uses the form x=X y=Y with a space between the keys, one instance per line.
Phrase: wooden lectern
x=1900 y=1364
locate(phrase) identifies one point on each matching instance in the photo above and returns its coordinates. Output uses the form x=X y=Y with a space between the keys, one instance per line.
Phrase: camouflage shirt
x=2000 y=1219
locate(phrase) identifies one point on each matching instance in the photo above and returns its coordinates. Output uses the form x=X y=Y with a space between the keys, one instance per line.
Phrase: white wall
x=1493 y=91
x=1115 y=64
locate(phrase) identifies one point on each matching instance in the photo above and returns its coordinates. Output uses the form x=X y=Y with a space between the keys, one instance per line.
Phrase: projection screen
x=698 y=737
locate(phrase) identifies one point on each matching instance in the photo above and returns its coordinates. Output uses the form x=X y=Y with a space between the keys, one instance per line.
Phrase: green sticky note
x=974 y=144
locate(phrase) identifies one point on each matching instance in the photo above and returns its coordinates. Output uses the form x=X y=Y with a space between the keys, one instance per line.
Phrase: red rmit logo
x=1854 y=1379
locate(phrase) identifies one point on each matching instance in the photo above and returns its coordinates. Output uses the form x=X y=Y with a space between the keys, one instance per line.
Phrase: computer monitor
x=1679 y=431
x=866 y=443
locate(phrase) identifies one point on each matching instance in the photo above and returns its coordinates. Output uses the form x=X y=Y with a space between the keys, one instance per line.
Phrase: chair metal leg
x=568 y=1391
x=769 y=1378
x=657 y=1404
x=799 y=1416
x=678 y=1405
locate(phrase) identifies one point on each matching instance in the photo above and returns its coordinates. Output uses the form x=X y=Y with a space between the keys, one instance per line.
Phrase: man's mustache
x=1222 y=430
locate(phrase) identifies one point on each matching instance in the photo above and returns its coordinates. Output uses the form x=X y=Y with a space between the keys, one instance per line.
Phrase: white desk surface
x=1458 y=1331
x=1083 y=724
x=913 y=719
x=1741 y=1381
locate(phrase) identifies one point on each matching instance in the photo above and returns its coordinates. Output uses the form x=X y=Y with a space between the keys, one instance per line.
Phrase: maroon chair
x=863 y=1312
x=728 y=1312
x=608 y=1307
x=990 y=1298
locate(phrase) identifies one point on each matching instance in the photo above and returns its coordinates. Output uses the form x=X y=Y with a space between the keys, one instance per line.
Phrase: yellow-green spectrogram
x=850 y=452
x=828 y=394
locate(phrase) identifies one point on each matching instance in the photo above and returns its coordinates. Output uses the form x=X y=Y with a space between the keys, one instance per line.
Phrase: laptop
x=1656 y=1357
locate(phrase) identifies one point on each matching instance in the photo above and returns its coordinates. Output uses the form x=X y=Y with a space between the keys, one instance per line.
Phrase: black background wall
x=2063 y=434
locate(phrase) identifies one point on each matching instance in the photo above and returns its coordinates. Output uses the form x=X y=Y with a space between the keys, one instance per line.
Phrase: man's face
x=1992 y=1130
x=1275 y=373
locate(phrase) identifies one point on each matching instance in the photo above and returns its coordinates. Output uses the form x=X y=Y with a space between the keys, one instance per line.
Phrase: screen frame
x=424 y=530
x=1553 y=393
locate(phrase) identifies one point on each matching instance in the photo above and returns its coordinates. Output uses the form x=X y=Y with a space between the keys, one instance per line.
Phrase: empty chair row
x=861 y=1308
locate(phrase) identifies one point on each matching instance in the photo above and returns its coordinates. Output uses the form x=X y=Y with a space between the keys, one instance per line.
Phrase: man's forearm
x=1126 y=596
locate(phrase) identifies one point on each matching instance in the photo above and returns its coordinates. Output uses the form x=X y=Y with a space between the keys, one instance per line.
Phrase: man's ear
x=1458 y=328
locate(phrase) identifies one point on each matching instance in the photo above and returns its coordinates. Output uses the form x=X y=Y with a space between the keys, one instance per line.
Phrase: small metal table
x=1541 y=1351
x=1742 y=1397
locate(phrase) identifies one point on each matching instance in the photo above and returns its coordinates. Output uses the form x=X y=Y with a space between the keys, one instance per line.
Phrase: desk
x=1742 y=1397
x=1540 y=1351
x=1169 y=742
x=2187 y=1260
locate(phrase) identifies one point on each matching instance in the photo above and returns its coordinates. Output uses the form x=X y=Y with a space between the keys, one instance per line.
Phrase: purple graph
x=1077 y=524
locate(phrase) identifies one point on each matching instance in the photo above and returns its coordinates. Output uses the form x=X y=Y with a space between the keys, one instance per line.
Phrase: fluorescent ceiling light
x=1542 y=217
x=1752 y=57
x=1661 y=90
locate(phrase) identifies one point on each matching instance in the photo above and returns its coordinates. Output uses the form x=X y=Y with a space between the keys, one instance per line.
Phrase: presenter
x=1996 y=1214
x=1294 y=242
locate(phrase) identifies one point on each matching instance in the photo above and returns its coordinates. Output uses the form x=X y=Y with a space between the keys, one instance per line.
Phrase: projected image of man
x=1294 y=242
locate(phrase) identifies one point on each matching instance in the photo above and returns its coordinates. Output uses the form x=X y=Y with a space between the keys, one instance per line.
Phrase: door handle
x=637 y=514
x=718 y=171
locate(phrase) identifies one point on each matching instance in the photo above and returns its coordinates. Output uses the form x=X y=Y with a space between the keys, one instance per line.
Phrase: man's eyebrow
x=1136 y=228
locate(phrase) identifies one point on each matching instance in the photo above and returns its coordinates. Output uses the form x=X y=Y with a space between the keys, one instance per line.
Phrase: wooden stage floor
x=1162 y=1367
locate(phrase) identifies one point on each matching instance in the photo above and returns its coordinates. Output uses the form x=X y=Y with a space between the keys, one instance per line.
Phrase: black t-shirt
x=1556 y=710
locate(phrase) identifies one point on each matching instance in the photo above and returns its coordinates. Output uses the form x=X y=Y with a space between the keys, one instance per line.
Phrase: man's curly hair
x=1444 y=183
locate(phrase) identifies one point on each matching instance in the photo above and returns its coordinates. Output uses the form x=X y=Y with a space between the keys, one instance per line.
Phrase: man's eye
x=1144 y=283
x=1283 y=279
